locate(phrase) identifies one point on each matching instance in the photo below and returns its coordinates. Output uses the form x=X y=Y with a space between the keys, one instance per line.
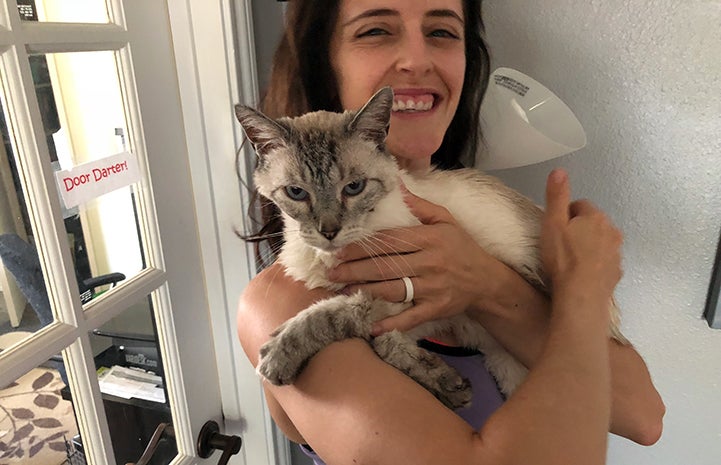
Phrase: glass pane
x=64 y=11
x=132 y=381
x=97 y=178
x=37 y=421
x=24 y=304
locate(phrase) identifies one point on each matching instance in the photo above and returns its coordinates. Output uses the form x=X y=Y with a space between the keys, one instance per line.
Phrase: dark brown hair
x=302 y=80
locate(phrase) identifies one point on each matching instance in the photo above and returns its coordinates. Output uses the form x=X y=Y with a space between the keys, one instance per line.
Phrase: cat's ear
x=372 y=121
x=264 y=133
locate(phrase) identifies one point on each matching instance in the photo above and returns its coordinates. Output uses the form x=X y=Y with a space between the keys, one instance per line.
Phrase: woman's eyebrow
x=445 y=14
x=441 y=13
x=371 y=13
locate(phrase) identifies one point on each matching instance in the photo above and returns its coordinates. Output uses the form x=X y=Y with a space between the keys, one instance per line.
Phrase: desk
x=131 y=421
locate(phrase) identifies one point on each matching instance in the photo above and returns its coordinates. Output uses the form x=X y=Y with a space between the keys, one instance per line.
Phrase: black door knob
x=210 y=440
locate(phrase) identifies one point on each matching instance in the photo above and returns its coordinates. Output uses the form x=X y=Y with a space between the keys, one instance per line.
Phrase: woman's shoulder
x=271 y=298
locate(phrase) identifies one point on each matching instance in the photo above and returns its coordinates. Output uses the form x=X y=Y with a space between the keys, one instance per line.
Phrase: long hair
x=302 y=80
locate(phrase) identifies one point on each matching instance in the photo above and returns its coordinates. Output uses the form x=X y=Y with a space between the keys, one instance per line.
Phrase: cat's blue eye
x=296 y=193
x=355 y=187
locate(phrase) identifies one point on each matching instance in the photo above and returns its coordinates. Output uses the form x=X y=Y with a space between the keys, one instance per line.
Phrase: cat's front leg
x=297 y=340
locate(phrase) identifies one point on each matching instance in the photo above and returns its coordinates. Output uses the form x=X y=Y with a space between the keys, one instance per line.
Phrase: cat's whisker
x=275 y=234
x=266 y=255
x=271 y=280
x=368 y=247
x=398 y=263
x=380 y=235
x=267 y=258
x=374 y=249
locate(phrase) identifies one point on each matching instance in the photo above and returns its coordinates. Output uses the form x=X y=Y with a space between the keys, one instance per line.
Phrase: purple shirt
x=469 y=363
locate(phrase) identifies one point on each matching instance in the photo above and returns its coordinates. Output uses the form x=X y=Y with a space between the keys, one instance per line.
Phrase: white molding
x=216 y=69
x=36 y=350
x=47 y=37
x=102 y=309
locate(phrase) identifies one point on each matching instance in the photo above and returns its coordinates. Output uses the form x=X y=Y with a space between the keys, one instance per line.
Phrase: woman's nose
x=413 y=55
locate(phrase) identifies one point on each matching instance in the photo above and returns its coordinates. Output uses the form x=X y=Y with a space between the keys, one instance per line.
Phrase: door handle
x=210 y=440
x=153 y=443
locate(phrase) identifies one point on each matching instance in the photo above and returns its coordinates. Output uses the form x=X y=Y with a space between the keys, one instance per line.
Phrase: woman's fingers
x=582 y=207
x=558 y=196
x=372 y=269
x=440 y=258
x=392 y=290
x=387 y=242
x=555 y=221
x=579 y=243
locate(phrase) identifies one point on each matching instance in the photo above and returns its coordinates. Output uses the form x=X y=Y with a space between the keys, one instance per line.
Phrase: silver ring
x=409 y=289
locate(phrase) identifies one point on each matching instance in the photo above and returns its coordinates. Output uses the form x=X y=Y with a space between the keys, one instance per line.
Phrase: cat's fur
x=327 y=155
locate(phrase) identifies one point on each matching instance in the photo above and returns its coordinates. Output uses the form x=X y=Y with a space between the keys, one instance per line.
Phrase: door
x=94 y=130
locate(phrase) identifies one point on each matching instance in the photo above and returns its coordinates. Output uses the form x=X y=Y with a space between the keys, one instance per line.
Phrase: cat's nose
x=330 y=234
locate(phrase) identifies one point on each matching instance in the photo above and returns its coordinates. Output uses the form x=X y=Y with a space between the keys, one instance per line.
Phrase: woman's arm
x=518 y=317
x=351 y=407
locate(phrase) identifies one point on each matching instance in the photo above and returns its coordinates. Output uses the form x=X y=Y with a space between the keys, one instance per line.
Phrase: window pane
x=24 y=303
x=132 y=381
x=37 y=422
x=82 y=106
x=64 y=11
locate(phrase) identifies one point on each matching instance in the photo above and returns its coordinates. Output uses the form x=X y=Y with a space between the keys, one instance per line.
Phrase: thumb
x=427 y=212
x=558 y=197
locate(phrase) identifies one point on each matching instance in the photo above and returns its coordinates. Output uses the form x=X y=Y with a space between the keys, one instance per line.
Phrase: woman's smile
x=412 y=100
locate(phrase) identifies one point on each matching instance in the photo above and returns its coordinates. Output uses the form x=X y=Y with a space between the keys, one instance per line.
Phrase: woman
x=350 y=406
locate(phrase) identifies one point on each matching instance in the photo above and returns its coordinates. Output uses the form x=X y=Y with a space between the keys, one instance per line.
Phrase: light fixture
x=522 y=123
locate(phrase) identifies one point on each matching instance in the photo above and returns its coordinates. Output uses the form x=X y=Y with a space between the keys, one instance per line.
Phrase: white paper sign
x=93 y=179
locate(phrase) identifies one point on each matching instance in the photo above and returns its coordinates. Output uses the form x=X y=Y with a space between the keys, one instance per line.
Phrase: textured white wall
x=644 y=78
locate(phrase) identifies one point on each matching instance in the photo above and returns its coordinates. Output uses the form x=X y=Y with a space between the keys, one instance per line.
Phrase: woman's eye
x=444 y=33
x=296 y=193
x=354 y=188
x=376 y=31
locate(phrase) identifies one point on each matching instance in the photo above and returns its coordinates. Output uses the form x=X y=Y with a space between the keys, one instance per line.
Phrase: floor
x=29 y=323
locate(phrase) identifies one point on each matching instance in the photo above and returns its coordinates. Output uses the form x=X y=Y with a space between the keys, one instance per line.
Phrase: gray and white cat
x=335 y=183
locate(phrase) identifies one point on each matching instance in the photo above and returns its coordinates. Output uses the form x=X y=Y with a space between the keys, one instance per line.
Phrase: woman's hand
x=446 y=267
x=580 y=246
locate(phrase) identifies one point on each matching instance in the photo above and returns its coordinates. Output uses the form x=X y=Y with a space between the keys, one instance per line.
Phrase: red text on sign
x=98 y=174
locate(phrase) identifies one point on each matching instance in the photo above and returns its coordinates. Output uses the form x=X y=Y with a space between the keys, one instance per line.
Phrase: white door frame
x=215 y=58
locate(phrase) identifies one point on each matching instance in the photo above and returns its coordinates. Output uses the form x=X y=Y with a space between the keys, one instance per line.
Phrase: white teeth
x=411 y=105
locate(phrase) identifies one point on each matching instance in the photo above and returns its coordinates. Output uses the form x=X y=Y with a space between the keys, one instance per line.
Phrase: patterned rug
x=35 y=421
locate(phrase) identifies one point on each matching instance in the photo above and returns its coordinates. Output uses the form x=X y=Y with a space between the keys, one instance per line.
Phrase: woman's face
x=416 y=47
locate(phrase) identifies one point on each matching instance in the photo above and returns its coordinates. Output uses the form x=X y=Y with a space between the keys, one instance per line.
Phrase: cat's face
x=325 y=171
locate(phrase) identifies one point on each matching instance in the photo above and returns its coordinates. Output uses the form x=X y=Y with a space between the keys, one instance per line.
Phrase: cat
x=335 y=183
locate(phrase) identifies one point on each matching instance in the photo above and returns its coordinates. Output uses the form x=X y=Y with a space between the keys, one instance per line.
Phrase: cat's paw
x=279 y=363
x=453 y=390
x=456 y=394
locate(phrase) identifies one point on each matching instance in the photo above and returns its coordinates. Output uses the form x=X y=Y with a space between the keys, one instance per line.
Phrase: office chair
x=22 y=261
